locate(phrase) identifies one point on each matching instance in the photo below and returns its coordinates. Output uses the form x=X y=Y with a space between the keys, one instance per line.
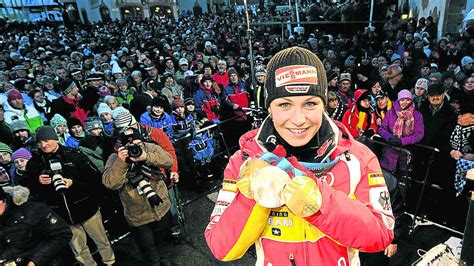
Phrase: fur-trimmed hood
x=18 y=194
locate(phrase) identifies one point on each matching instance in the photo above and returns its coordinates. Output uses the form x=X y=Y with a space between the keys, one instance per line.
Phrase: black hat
x=73 y=121
x=380 y=94
x=232 y=71
x=188 y=101
x=45 y=133
x=66 y=86
x=435 y=89
x=158 y=101
x=295 y=71
x=331 y=75
x=207 y=78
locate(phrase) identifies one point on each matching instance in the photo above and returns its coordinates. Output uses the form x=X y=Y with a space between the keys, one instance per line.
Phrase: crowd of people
x=77 y=102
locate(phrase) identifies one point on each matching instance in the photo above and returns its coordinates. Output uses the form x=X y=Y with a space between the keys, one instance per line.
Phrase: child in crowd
x=105 y=114
x=77 y=132
x=20 y=158
x=157 y=117
x=59 y=123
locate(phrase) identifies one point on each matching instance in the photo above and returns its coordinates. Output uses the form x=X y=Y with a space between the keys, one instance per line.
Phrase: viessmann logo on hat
x=295 y=75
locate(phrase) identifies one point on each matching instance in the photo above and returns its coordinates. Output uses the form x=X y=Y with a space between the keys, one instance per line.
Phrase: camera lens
x=134 y=150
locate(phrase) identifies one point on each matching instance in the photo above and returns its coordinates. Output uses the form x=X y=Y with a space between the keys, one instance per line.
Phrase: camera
x=57 y=179
x=134 y=150
x=144 y=187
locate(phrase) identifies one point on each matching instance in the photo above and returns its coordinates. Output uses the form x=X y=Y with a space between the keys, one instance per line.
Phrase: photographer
x=143 y=192
x=66 y=180
x=34 y=239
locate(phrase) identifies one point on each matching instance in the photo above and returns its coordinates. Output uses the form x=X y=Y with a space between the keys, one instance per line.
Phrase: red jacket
x=355 y=213
x=351 y=119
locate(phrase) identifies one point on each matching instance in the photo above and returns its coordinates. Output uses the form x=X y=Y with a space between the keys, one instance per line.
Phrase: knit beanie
x=14 y=95
x=103 y=108
x=295 y=71
x=177 y=103
x=232 y=71
x=404 y=94
x=73 y=121
x=66 y=86
x=21 y=153
x=159 y=102
x=45 y=133
x=58 y=120
x=121 y=81
x=5 y=148
x=18 y=125
x=108 y=98
x=422 y=83
x=93 y=122
x=122 y=118
x=331 y=75
x=188 y=101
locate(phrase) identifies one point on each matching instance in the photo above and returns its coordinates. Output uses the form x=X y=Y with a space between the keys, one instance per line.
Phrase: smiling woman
x=296 y=177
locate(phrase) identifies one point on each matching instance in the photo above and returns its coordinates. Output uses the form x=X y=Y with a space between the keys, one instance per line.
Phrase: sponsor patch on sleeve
x=229 y=185
x=376 y=179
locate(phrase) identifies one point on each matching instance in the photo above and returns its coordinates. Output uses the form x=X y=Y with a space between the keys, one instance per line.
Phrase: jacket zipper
x=292 y=259
x=67 y=208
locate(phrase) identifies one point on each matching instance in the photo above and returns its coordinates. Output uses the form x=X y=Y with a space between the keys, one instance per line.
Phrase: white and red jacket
x=355 y=213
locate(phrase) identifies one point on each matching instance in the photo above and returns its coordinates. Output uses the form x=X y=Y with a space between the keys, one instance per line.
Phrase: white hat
x=183 y=61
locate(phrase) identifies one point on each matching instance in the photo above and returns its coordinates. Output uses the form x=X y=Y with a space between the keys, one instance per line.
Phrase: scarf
x=405 y=122
x=363 y=116
x=338 y=112
x=459 y=139
x=315 y=155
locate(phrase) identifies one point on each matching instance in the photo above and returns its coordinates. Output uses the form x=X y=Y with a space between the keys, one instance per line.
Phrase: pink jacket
x=355 y=213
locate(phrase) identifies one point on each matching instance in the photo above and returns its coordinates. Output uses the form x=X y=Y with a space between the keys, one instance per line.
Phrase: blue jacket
x=164 y=122
x=182 y=126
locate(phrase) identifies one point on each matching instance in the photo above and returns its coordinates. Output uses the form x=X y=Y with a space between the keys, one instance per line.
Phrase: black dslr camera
x=127 y=138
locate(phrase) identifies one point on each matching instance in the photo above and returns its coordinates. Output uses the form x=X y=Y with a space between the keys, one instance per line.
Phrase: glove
x=394 y=141
x=246 y=174
x=302 y=196
x=369 y=133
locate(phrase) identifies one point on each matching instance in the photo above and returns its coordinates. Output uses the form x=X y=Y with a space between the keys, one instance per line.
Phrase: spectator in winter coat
x=22 y=136
x=41 y=104
x=157 y=117
x=171 y=89
x=335 y=108
x=360 y=119
x=70 y=103
x=382 y=105
x=105 y=115
x=38 y=237
x=94 y=145
x=419 y=92
x=59 y=124
x=6 y=134
x=221 y=77
x=402 y=125
x=76 y=132
x=236 y=95
x=123 y=93
x=15 y=108
x=439 y=120
x=20 y=158
x=208 y=104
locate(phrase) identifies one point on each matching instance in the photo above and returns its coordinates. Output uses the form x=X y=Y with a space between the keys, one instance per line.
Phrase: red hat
x=14 y=95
